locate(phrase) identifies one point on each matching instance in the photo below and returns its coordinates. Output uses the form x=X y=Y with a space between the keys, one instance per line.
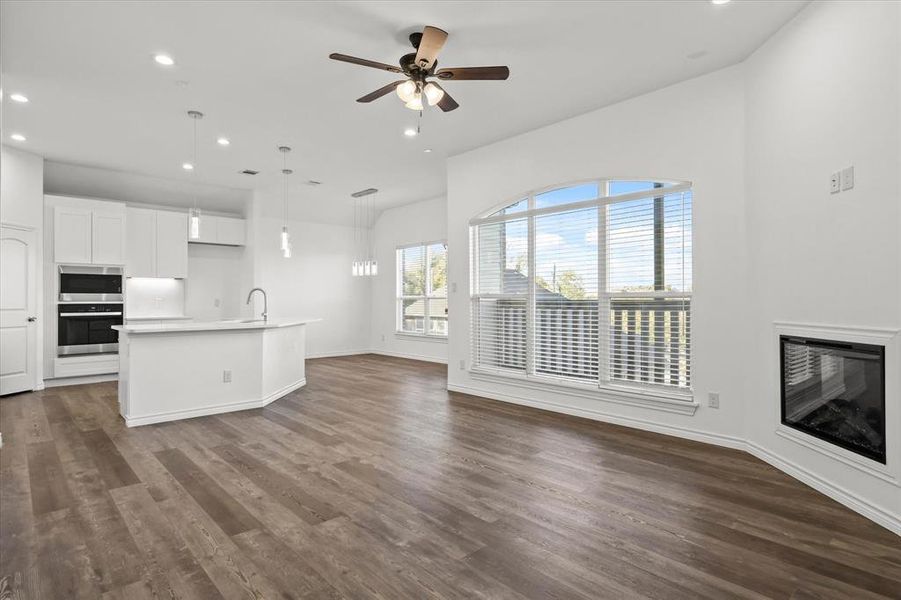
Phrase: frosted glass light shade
x=415 y=103
x=433 y=93
x=406 y=90
x=286 y=239
x=194 y=221
x=375 y=267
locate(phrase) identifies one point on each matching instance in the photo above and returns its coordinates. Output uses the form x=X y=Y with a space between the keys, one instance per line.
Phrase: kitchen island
x=171 y=371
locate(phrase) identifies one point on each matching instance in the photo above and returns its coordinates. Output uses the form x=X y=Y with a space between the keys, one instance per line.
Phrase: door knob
x=32 y=319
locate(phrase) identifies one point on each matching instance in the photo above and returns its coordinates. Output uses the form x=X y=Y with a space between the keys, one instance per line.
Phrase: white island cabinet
x=171 y=371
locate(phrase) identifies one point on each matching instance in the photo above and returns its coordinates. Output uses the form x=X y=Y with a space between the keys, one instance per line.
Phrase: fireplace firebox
x=835 y=391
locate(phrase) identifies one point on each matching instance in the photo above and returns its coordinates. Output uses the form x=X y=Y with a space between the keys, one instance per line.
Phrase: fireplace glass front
x=835 y=391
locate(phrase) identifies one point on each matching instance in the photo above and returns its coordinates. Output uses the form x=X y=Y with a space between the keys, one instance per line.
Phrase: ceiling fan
x=420 y=67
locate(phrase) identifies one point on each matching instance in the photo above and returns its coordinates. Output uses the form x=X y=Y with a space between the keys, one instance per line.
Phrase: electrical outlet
x=383 y=337
x=462 y=365
x=835 y=183
x=216 y=302
x=713 y=399
x=226 y=376
x=454 y=288
x=847 y=178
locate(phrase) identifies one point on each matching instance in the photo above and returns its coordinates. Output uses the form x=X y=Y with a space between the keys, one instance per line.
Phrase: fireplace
x=835 y=391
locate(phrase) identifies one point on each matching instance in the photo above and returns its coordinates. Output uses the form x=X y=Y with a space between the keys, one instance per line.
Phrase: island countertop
x=227 y=325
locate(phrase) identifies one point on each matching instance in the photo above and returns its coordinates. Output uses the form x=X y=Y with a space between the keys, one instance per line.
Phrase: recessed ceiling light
x=427 y=150
x=164 y=59
x=18 y=137
x=410 y=132
x=223 y=141
x=718 y=2
x=18 y=98
x=187 y=166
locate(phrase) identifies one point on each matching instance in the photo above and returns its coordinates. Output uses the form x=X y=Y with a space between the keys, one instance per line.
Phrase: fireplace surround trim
x=886 y=337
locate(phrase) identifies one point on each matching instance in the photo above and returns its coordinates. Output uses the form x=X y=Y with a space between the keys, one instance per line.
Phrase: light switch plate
x=835 y=183
x=847 y=178
x=713 y=399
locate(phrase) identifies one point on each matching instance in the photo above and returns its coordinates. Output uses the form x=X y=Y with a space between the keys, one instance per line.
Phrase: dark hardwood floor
x=373 y=481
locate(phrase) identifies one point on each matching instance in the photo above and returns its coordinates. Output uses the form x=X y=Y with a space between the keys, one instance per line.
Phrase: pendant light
x=194 y=214
x=286 y=246
x=363 y=265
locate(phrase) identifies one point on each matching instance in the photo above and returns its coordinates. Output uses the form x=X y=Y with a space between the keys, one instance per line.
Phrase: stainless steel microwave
x=90 y=284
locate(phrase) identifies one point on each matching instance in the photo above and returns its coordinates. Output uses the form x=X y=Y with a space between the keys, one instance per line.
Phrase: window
x=422 y=289
x=589 y=283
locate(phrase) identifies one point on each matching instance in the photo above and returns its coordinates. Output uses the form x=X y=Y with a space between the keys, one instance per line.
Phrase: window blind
x=422 y=289
x=590 y=282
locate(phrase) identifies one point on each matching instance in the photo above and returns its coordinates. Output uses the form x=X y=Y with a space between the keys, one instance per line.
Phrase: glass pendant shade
x=406 y=90
x=194 y=228
x=286 y=239
x=287 y=250
x=433 y=93
x=367 y=268
x=375 y=268
x=415 y=103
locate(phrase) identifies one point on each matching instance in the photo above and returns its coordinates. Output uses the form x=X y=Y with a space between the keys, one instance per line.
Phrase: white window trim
x=398 y=316
x=647 y=395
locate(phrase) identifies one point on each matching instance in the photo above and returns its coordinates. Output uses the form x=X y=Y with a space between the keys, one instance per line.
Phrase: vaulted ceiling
x=261 y=74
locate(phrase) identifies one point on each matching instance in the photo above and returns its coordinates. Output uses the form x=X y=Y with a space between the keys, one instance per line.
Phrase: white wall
x=315 y=282
x=823 y=94
x=759 y=142
x=691 y=131
x=219 y=278
x=22 y=203
x=424 y=221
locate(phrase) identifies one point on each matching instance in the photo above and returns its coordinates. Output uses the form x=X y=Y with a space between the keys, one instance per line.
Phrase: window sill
x=421 y=337
x=676 y=402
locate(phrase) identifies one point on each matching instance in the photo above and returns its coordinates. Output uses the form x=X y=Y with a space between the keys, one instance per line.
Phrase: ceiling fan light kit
x=420 y=67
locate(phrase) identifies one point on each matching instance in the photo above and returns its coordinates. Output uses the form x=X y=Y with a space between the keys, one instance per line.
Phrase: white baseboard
x=599 y=415
x=431 y=359
x=841 y=495
x=176 y=415
x=62 y=381
x=335 y=353
x=824 y=486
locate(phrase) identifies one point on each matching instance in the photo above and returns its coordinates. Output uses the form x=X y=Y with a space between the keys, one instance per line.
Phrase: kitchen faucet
x=265 y=301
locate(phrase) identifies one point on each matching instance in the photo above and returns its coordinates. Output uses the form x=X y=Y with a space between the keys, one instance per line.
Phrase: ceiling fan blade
x=362 y=61
x=380 y=92
x=446 y=103
x=430 y=45
x=472 y=73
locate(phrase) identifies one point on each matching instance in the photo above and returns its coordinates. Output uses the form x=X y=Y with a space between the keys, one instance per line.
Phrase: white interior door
x=18 y=304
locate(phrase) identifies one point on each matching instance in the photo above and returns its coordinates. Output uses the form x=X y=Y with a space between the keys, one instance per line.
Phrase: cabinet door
x=108 y=239
x=140 y=245
x=171 y=244
x=231 y=231
x=208 y=228
x=72 y=235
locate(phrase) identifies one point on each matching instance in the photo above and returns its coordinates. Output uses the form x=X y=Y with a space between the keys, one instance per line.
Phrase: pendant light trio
x=194 y=214
x=365 y=264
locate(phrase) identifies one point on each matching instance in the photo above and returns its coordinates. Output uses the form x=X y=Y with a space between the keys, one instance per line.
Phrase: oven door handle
x=91 y=314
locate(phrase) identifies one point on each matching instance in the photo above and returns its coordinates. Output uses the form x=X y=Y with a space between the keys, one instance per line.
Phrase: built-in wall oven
x=90 y=284
x=87 y=328
x=90 y=303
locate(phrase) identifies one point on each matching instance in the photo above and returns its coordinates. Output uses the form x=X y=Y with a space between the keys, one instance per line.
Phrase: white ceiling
x=261 y=74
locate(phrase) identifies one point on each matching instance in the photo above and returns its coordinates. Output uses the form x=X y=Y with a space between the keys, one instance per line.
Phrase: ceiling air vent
x=313 y=182
x=365 y=192
x=249 y=172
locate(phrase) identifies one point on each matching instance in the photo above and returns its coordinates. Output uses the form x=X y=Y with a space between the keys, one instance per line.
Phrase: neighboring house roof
x=517 y=283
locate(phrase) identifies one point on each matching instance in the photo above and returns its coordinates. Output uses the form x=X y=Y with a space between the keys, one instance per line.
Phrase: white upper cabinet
x=72 y=235
x=108 y=237
x=157 y=243
x=140 y=248
x=226 y=231
x=171 y=244
x=87 y=231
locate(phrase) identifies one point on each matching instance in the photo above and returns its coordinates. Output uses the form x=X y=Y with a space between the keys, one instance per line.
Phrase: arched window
x=588 y=282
